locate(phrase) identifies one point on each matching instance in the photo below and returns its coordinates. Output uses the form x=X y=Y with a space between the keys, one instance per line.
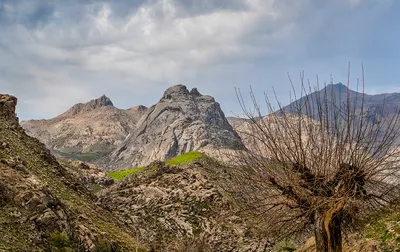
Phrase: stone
x=8 y=105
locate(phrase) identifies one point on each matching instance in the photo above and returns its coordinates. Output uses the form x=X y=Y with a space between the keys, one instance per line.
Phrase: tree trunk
x=328 y=230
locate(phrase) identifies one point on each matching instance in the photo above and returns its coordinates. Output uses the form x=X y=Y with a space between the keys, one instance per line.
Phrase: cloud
x=57 y=53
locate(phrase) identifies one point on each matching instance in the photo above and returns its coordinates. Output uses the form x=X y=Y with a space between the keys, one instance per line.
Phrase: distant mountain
x=340 y=92
x=86 y=131
x=387 y=103
x=180 y=122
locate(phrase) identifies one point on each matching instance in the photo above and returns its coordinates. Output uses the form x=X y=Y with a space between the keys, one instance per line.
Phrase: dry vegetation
x=321 y=166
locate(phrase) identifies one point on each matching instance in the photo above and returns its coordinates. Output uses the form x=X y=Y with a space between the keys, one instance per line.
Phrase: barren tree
x=321 y=164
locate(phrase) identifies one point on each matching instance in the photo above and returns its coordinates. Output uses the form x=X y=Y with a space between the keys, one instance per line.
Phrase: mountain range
x=170 y=203
x=182 y=121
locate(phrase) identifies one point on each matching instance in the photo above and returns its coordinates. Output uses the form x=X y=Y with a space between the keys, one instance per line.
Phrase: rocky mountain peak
x=102 y=101
x=195 y=92
x=180 y=93
x=338 y=87
x=176 y=91
x=8 y=104
x=180 y=122
x=86 y=131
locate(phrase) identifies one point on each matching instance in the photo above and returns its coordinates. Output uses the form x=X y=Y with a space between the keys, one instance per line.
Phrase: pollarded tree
x=320 y=164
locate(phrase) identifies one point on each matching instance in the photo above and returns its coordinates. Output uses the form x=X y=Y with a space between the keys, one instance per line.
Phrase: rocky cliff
x=86 y=131
x=43 y=205
x=7 y=108
x=180 y=122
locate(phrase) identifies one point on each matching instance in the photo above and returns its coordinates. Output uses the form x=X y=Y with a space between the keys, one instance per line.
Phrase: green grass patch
x=185 y=158
x=61 y=242
x=182 y=160
x=385 y=228
x=118 y=175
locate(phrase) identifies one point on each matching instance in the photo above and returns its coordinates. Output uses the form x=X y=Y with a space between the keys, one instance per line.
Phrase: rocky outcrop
x=86 y=131
x=182 y=209
x=102 y=101
x=8 y=104
x=180 y=122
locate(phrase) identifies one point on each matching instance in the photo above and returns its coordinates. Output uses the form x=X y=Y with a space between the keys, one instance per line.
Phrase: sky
x=54 y=54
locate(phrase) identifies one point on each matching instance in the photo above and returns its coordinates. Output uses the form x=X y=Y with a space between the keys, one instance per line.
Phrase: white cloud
x=78 y=50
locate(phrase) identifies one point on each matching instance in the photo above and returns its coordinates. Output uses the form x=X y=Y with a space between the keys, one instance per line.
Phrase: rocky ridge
x=180 y=122
x=86 y=131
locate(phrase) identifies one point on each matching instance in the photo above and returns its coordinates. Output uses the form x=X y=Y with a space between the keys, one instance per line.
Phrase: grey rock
x=180 y=122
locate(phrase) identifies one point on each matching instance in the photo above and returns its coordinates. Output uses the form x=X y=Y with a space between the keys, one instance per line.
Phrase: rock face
x=86 y=131
x=8 y=104
x=180 y=122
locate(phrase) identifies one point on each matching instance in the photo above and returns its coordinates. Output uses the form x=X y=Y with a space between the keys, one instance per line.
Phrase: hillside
x=86 y=131
x=43 y=207
x=183 y=208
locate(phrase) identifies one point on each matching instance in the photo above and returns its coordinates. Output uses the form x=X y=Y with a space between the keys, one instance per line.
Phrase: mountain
x=54 y=205
x=386 y=104
x=189 y=203
x=340 y=92
x=180 y=122
x=43 y=205
x=86 y=131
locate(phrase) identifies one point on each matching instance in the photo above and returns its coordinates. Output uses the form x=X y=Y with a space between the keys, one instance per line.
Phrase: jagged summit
x=102 y=101
x=86 y=131
x=195 y=92
x=180 y=122
x=177 y=92
x=181 y=93
x=338 y=87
